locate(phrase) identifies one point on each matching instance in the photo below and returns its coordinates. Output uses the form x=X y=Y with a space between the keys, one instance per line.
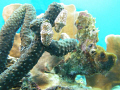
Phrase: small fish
x=81 y=80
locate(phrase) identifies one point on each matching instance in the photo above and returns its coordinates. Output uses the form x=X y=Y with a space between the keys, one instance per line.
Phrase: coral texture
x=70 y=28
x=31 y=47
x=25 y=33
x=46 y=33
x=60 y=21
x=8 y=10
x=88 y=58
x=112 y=78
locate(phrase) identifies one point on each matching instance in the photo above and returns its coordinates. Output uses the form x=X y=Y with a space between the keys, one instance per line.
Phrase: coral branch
x=14 y=73
x=25 y=33
x=53 y=10
x=33 y=49
x=18 y=70
x=62 y=47
x=7 y=34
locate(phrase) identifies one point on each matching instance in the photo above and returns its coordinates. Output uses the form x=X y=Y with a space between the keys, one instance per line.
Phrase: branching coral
x=31 y=48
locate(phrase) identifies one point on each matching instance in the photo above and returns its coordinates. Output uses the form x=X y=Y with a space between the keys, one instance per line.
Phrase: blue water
x=106 y=12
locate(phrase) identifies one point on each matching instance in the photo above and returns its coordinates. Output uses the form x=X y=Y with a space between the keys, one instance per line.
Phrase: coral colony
x=88 y=58
x=37 y=36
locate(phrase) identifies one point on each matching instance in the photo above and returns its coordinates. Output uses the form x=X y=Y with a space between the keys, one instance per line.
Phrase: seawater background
x=106 y=12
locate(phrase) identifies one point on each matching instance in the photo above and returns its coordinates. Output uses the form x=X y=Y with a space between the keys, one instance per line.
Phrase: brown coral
x=112 y=78
x=15 y=51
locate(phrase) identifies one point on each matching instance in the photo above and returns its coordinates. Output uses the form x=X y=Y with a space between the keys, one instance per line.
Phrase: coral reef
x=88 y=58
x=112 y=78
x=70 y=28
x=31 y=47
x=36 y=34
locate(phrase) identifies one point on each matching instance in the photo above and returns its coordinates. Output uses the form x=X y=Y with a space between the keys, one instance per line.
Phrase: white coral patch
x=46 y=33
x=60 y=21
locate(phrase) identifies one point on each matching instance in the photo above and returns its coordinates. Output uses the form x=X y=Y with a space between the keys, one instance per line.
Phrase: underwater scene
x=60 y=45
